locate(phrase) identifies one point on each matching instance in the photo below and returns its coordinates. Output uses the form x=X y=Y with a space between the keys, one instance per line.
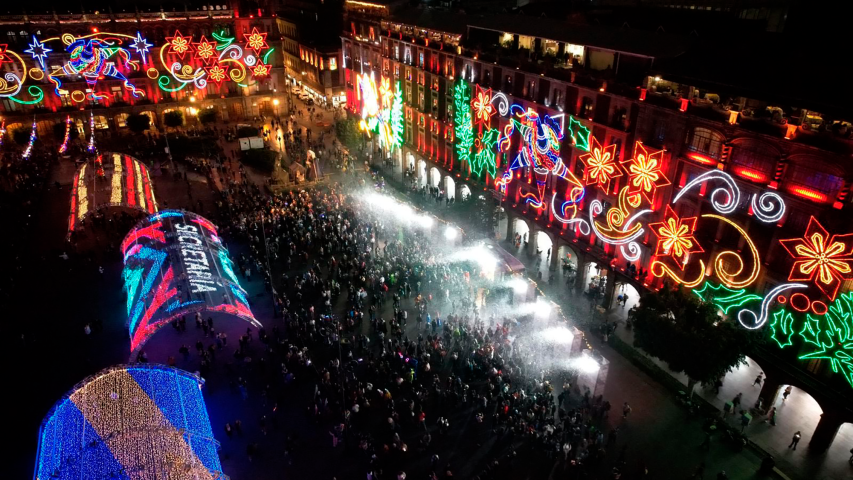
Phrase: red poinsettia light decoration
x=820 y=258
x=676 y=237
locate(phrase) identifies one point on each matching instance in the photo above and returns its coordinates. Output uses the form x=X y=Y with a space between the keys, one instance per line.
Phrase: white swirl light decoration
x=250 y=60
x=234 y=52
x=582 y=224
x=502 y=103
x=13 y=79
x=200 y=81
x=595 y=208
x=758 y=321
x=768 y=207
x=178 y=66
x=732 y=192
x=634 y=248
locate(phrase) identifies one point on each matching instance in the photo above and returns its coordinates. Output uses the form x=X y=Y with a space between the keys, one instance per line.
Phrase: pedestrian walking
x=626 y=409
x=795 y=440
x=758 y=379
x=786 y=393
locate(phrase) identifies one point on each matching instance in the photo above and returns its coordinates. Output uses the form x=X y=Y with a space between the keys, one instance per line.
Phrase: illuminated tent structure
x=110 y=180
x=140 y=421
x=175 y=264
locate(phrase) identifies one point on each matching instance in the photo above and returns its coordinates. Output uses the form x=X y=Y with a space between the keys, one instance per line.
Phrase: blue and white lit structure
x=130 y=422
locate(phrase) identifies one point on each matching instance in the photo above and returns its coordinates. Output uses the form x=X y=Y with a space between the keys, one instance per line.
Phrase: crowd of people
x=396 y=383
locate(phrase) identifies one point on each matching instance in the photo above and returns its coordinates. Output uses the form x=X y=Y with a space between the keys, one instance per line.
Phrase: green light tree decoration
x=832 y=336
x=578 y=133
x=462 y=121
x=397 y=127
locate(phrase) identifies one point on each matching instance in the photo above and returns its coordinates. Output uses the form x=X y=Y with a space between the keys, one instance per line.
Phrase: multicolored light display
x=382 y=110
x=130 y=421
x=162 y=286
x=820 y=258
x=462 y=121
x=110 y=179
x=104 y=56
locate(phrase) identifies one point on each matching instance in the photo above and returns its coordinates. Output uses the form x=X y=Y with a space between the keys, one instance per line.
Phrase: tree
x=482 y=215
x=174 y=119
x=21 y=135
x=348 y=132
x=59 y=132
x=138 y=122
x=207 y=116
x=688 y=334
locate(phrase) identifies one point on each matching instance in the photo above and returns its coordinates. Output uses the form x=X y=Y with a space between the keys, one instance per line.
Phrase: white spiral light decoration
x=768 y=207
x=731 y=191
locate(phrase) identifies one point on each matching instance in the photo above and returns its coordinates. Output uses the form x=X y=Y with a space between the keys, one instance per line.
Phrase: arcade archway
x=422 y=173
x=450 y=187
x=464 y=193
x=434 y=177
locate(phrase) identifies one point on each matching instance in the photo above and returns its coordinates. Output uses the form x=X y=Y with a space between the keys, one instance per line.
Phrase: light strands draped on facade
x=64 y=146
x=29 y=150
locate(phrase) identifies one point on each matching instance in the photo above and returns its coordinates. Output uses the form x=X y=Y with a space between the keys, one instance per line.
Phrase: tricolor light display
x=110 y=180
x=134 y=421
x=381 y=110
x=175 y=264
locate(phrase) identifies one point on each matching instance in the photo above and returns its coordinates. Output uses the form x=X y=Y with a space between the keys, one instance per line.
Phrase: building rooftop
x=650 y=44
x=432 y=19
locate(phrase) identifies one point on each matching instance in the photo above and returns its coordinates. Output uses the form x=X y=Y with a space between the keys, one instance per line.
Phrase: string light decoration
x=768 y=207
x=146 y=421
x=579 y=134
x=110 y=180
x=2 y=132
x=462 y=121
x=826 y=261
x=197 y=277
x=29 y=150
x=600 y=165
x=397 y=119
x=64 y=146
x=485 y=156
x=782 y=328
x=730 y=190
x=482 y=106
x=91 y=148
x=729 y=257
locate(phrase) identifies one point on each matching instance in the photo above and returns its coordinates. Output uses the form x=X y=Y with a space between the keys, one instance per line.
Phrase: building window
x=333 y=63
x=397 y=51
x=421 y=59
x=435 y=83
x=487 y=77
x=806 y=175
x=706 y=142
x=753 y=156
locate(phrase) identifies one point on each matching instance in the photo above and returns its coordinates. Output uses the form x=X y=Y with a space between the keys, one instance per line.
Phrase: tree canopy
x=173 y=119
x=138 y=122
x=59 y=132
x=207 y=116
x=689 y=335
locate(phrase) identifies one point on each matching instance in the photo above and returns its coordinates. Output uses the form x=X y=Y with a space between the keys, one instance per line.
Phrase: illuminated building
x=65 y=64
x=639 y=167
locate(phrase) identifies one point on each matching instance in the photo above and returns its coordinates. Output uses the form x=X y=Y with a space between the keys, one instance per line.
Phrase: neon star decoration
x=39 y=51
x=825 y=260
x=831 y=336
x=256 y=41
x=482 y=105
x=141 y=46
x=600 y=165
x=179 y=44
x=645 y=172
x=217 y=73
x=261 y=70
x=205 y=50
x=676 y=237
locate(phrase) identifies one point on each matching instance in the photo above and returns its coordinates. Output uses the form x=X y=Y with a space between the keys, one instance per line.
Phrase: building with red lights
x=143 y=62
x=579 y=130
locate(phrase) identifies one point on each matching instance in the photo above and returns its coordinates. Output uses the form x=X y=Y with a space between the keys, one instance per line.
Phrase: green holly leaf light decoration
x=464 y=129
x=578 y=133
x=782 y=328
x=485 y=156
x=832 y=336
x=724 y=297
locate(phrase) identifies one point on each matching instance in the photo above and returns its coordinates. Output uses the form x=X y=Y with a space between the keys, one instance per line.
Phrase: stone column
x=581 y=273
x=769 y=391
x=531 y=239
x=555 y=255
x=827 y=428
x=609 y=289
x=510 y=227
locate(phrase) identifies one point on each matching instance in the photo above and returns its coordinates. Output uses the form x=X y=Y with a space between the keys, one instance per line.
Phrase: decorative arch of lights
x=110 y=180
x=175 y=264
x=812 y=308
x=130 y=421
